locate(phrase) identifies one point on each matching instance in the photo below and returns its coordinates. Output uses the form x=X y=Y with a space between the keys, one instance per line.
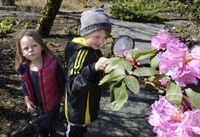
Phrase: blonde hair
x=35 y=35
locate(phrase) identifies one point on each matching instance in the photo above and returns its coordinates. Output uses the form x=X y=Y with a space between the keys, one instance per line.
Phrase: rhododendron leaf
x=149 y=86
x=161 y=91
x=118 y=95
x=146 y=54
x=194 y=97
x=109 y=78
x=116 y=75
x=132 y=84
x=174 y=94
x=155 y=62
x=105 y=79
x=118 y=72
x=112 y=60
x=151 y=78
x=144 y=71
x=125 y=65
x=118 y=63
x=134 y=53
x=112 y=63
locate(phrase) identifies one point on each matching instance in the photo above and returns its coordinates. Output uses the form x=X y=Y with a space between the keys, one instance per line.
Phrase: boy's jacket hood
x=80 y=41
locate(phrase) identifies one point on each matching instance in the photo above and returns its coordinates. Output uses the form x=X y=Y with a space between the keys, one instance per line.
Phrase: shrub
x=142 y=10
x=194 y=11
x=6 y=26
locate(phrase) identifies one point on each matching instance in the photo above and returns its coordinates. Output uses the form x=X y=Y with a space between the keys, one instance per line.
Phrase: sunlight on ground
x=67 y=5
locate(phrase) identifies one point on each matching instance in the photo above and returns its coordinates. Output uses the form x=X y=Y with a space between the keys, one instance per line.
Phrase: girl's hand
x=30 y=106
x=100 y=65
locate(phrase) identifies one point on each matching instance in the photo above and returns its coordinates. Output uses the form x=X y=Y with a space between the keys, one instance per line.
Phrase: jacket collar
x=81 y=41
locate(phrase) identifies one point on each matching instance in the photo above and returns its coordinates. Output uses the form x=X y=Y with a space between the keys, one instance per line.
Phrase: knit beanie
x=94 y=19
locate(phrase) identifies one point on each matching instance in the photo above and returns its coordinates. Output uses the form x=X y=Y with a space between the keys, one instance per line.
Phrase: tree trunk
x=47 y=16
x=7 y=2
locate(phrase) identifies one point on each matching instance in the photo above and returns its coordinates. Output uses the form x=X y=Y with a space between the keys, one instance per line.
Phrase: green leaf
x=126 y=65
x=118 y=63
x=146 y=54
x=133 y=53
x=118 y=96
x=174 y=94
x=194 y=97
x=112 y=63
x=118 y=72
x=144 y=71
x=112 y=60
x=132 y=83
x=116 y=75
x=155 y=62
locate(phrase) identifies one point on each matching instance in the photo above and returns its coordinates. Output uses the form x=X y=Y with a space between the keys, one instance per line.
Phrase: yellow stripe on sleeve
x=78 y=58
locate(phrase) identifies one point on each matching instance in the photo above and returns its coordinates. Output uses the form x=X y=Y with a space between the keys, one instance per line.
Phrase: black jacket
x=82 y=92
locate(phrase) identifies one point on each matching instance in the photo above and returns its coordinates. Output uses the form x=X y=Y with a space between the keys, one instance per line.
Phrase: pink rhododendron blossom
x=128 y=57
x=177 y=61
x=160 y=41
x=172 y=58
x=182 y=66
x=163 y=83
x=170 y=121
x=137 y=49
x=195 y=60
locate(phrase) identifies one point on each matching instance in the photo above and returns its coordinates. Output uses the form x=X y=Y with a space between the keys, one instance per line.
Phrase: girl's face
x=31 y=50
x=96 y=39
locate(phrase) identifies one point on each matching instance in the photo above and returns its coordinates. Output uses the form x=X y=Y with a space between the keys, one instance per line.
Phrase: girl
x=43 y=80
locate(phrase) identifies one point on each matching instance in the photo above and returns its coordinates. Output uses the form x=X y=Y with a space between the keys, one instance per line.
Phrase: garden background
x=140 y=19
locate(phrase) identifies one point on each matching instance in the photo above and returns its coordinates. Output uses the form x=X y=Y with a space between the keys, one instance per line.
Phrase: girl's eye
x=26 y=48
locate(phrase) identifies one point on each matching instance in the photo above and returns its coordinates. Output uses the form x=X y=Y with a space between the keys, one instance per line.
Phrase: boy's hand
x=100 y=65
x=30 y=106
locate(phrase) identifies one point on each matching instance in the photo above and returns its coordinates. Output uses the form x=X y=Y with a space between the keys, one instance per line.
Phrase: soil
x=14 y=119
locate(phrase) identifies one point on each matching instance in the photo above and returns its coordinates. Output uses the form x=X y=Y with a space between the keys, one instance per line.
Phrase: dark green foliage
x=189 y=33
x=194 y=11
x=131 y=11
x=145 y=11
x=6 y=26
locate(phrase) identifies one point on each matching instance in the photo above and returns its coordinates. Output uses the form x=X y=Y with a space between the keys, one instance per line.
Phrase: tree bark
x=7 y=2
x=47 y=16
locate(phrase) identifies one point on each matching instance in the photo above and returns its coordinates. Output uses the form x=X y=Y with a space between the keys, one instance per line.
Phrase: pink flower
x=160 y=41
x=195 y=60
x=163 y=83
x=170 y=121
x=128 y=57
x=180 y=64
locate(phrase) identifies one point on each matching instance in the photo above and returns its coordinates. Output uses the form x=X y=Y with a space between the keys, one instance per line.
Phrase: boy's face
x=96 y=39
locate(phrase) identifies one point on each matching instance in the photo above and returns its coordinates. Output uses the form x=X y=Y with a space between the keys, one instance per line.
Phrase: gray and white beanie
x=94 y=19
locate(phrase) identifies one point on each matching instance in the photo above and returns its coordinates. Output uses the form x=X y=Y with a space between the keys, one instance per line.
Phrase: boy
x=85 y=66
